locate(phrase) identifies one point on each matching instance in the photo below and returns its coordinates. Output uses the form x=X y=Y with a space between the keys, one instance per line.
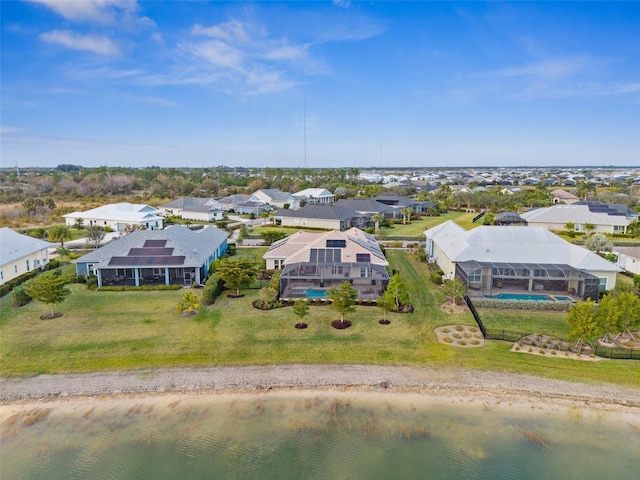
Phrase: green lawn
x=417 y=226
x=130 y=330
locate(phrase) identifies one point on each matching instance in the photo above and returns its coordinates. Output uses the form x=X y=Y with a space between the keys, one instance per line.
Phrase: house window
x=15 y=268
x=364 y=272
x=1 y=275
x=36 y=263
x=277 y=264
x=363 y=257
x=618 y=229
x=603 y=284
x=474 y=275
x=336 y=270
x=28 y=267
x=577 y=227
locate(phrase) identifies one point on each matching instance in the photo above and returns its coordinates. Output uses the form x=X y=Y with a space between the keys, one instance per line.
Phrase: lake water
x=315 y=435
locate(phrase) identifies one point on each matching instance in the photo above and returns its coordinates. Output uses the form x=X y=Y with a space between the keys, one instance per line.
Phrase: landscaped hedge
x=143 y=288
x=550 y=305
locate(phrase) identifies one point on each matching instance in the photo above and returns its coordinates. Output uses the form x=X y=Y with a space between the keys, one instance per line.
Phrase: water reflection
x=329 y=435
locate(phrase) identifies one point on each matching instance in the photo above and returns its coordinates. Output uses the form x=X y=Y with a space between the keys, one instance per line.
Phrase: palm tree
x=589 y=227
x=59 y=233
x=377 y=218
x=406 y=214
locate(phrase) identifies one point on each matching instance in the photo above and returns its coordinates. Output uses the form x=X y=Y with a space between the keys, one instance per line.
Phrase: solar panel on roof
x=149 y=251
x=155 y=243
x=146 y=261
x=339 y=243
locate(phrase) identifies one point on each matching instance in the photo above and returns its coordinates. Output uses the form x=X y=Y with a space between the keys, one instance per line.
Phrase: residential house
x=562 y=196
x=241 y=203
x=311 y=262
x=398 y=202
x=366 y=206
x=489 y=259
x=192 y=208
x=331 y=217
x=21 y=254
x=276 y=198
x=510 y=218
x=176 y=255
x=628 y=259
x=579 y=214
x=315 y=195
x=117 y=216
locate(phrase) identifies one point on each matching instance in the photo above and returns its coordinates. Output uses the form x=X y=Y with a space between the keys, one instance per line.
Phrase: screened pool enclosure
x=490 y=278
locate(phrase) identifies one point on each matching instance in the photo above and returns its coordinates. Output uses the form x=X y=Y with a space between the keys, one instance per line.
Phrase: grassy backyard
x=417 y=226
x=131 y=330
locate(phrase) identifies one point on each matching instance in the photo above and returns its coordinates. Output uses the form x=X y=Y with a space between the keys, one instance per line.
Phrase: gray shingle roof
x=311 y=210
x=364 y=205
x=195 y=245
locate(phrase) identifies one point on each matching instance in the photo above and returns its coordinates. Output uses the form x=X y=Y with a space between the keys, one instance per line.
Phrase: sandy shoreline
x=252 y=379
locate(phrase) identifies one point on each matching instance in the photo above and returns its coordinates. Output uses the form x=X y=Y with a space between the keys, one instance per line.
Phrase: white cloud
x=342 y=3
x=157 y=37
x=158 y=101
x=216 y=53
x=287 y=52
x=550 y=69
x=5 y=129
x=92 y=43
x=99 y=11
x=232 y=30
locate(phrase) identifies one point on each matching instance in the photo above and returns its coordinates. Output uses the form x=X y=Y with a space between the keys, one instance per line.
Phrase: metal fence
x=544 y=341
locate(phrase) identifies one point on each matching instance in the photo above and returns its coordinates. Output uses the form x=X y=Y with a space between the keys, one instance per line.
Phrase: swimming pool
x=563 y=299
x=309 y=292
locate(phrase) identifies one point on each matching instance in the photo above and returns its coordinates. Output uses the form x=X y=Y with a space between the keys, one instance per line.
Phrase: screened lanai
x=490 y=278
x=312 y=279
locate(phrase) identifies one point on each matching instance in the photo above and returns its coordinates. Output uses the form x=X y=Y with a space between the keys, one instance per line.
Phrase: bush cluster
x=143 y=288
x=436 y=278
x=549 y=305
x=20 y=297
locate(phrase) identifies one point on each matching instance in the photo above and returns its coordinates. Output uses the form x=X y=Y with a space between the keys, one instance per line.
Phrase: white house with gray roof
x=557 y=216
x=176 y=255
x=193 y=208
x=20 y=254
x=489 y=259
x=311 y=262
x=117 y=216
x=276 y=198
x=315 y=195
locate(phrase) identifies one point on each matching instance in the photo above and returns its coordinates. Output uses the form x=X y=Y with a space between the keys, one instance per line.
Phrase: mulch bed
x=300 y=325
x=235 y=295
x=384 y=322
x=48 y=316
x=340 y=325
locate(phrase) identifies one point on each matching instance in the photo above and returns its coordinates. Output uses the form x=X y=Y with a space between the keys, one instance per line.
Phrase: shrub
x=211 y=290
x=143 y=288
x=92 y=282
x=548 y=305
x=20 y=297
x=436 y=278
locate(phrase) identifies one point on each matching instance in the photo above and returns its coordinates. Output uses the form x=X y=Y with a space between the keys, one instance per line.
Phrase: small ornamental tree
x=301 y=309
x=628 y=305
x=583 y=325
x=95 y=235
x=48 y=288
x=598 y=242
x=607 y=315
x=385 y=303
x=236 y=274
x=454 y=289
x=343 y=299
x=397 y=291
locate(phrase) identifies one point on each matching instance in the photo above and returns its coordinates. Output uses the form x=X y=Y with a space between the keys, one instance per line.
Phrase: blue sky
x=119 y=82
